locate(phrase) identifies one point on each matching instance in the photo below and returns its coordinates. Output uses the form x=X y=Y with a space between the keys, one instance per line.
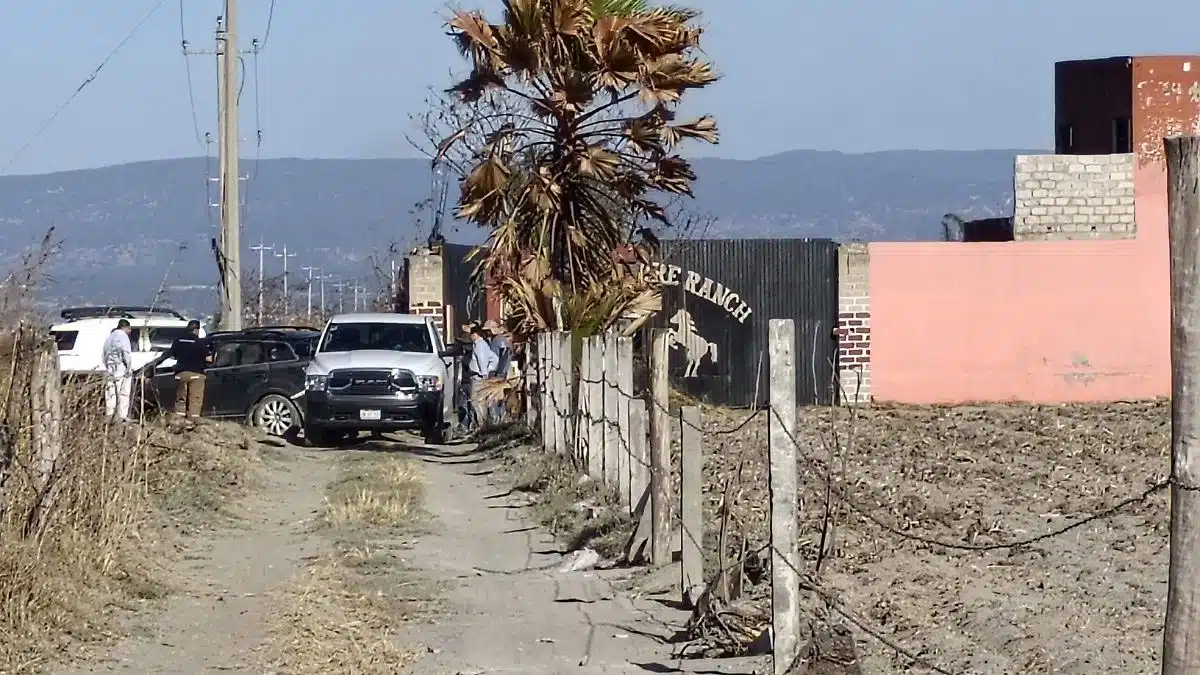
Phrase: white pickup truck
x=380 y=372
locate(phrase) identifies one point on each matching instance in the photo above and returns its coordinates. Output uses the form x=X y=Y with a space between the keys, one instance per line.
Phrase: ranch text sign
x=704 y=287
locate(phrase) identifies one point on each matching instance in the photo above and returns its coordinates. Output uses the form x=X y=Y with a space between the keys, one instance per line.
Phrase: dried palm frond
x=588 y=148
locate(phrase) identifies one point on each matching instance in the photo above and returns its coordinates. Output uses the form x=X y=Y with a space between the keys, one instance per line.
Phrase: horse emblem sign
x=695 y=347
x=684 y=335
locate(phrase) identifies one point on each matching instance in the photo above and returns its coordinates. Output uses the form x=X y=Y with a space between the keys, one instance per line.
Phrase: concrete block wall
x=854 y=323
x=427 y=283
x=1074 y=197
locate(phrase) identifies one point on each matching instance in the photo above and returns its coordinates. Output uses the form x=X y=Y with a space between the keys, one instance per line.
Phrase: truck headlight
x=429 y=382
x=315 y=382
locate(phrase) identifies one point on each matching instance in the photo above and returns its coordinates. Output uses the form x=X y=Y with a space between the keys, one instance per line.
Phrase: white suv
x=81 y=337
x=380 y=372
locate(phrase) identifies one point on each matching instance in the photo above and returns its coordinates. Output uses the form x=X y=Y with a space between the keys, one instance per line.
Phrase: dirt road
x=512 y=611
x=215 y=620
x=503 y=608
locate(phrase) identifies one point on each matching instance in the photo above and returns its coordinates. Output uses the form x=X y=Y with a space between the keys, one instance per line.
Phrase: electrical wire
x=46 y=123
x=187 y=65
x=270 y=20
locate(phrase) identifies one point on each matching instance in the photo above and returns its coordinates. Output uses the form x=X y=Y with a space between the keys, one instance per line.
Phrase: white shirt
x=118 y=353
x=483 y=359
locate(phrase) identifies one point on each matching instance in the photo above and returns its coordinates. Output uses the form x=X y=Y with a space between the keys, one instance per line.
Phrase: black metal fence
x=718 y=296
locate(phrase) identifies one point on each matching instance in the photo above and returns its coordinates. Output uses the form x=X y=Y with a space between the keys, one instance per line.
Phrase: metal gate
x=718 y=296
x=461 y=292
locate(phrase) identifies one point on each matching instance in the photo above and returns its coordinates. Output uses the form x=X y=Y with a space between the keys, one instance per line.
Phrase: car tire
x=275 y=415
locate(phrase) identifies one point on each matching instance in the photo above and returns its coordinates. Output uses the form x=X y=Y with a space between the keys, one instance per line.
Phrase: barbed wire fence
x=584 y=403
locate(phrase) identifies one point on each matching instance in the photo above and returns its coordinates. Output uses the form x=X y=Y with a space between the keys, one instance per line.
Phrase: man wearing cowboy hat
x=502 y=348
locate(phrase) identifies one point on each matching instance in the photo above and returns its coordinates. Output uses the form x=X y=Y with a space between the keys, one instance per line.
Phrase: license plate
x=370 y=415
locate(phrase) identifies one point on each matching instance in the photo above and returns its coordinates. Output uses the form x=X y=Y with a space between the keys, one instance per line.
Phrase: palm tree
x=585 y=157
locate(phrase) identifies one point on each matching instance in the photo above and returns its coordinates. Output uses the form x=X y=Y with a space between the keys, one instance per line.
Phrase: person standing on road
x=117 y=357
x=480 y=365
x=502 y=348
x=191 y=360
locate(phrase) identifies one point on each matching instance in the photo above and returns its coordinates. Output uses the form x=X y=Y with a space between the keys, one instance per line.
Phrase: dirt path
x=512 y=611
x=507 y=607
x=215 y=620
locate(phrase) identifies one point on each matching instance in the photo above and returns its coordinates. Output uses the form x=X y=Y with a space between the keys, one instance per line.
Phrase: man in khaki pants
x=191 y=360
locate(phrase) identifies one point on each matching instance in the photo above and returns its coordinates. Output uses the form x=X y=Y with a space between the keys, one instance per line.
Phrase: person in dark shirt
x=192 y=357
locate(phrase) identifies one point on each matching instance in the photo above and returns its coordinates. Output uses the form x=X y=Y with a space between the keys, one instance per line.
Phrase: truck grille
x=369 y=382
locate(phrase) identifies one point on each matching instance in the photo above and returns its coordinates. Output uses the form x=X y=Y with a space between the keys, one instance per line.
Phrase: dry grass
x=378 y=492
x=341 y=616
x=331 y=624
x=576 y=510
x=80 y=532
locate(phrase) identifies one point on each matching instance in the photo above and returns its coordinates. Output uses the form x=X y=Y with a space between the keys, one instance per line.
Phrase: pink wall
x=1025 y=321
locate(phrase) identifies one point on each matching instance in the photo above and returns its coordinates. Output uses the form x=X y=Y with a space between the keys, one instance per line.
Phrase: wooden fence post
x=639 y=452
x=556 y=397
x=691 y=505
x=46 y=400
x=624 y=395
x=1181 y=633
x=530 y=375
x=660 y=450
x=583 y=404
x=595 y=427
x=546 y=416
x=612 y=438
x=639 y=424
x=566 y=388
x=785 y=563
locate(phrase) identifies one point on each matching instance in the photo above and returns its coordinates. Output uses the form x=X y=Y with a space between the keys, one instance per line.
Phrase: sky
x=850 y=75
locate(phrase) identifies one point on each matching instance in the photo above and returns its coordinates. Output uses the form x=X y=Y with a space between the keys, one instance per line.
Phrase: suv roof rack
x=280 y=328
x=265 y=330
x=115 y=311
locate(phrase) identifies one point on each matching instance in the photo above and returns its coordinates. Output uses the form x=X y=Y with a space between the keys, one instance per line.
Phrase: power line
x=71 y=99
x=267 y=33
x=187 y=64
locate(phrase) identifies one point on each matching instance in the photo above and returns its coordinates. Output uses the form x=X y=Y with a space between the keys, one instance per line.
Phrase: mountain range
x=128 y=231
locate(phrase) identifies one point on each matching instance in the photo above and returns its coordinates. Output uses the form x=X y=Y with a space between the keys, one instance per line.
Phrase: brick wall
x=426 y=282
x=854 y=323
x=1068 y=197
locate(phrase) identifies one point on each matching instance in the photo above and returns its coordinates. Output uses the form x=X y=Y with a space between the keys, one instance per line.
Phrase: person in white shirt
x=481 y=364
x=118 y=371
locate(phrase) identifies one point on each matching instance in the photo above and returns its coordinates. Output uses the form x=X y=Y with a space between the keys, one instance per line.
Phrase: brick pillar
x=427 y=283
x=854 y=323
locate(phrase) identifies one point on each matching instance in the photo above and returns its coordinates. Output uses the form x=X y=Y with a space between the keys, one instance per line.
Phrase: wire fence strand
x=579 y=411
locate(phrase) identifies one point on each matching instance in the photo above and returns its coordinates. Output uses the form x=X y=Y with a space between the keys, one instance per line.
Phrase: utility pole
x=310 y=271
x=230 y=247
x=341 y=286
x=395 y=290
x=323 y=278
x=262 y=247
x=1181 y=633
x=357 y=288
x=287 y=299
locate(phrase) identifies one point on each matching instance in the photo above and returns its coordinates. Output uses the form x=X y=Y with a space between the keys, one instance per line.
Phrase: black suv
x=256 y=375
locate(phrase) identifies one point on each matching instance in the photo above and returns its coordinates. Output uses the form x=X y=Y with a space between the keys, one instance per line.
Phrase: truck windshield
x=397 y=337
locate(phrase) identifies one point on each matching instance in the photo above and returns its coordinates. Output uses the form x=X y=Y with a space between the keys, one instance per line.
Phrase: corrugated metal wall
x=467 y=299
x=719 y=295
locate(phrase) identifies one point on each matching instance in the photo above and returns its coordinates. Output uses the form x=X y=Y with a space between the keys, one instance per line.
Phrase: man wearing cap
x=117 y=357
x=191 y=356
x=502 y=348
